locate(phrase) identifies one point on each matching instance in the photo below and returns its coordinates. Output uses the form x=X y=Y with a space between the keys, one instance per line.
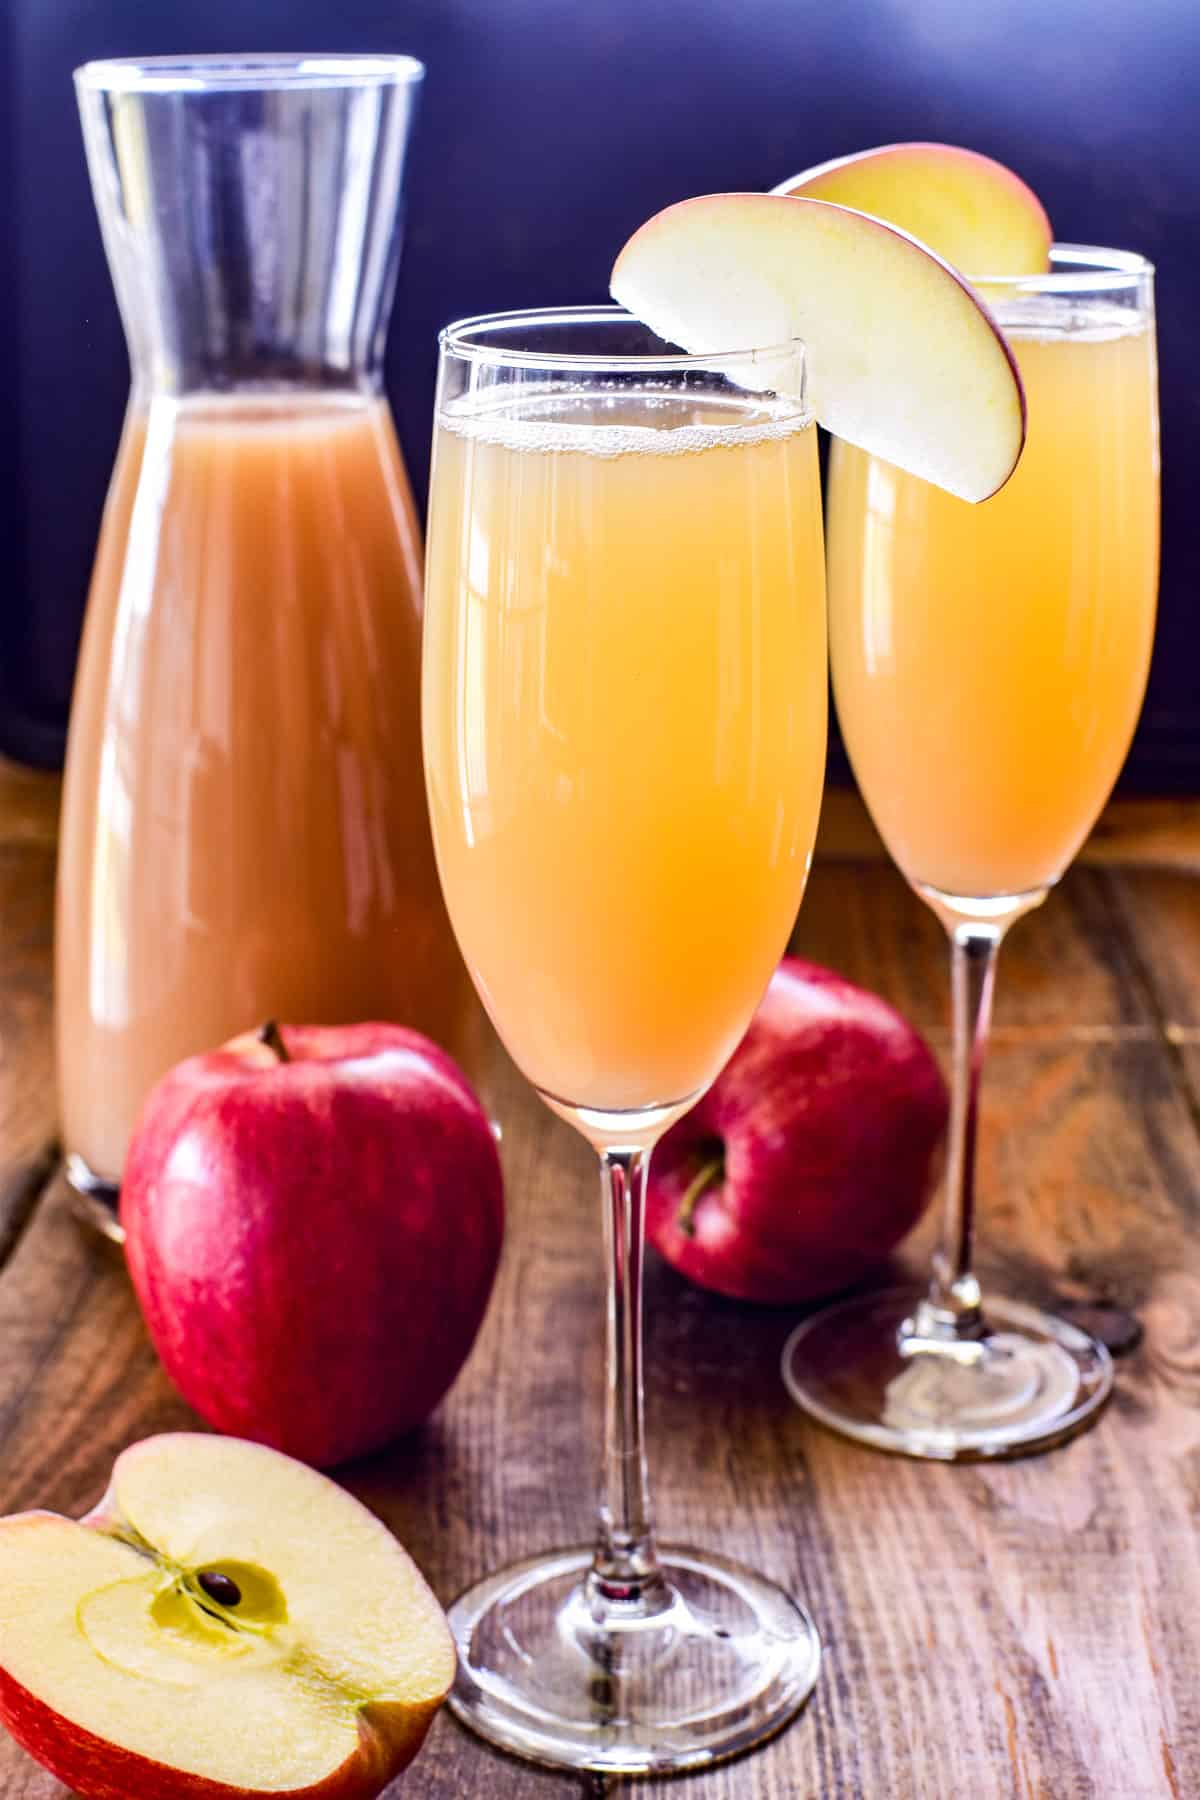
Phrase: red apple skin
x=830 y=1113
x=313 y=1243
x=98 y=1770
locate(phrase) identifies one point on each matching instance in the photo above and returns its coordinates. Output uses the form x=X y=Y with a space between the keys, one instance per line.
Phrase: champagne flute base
x=716 y=1661
x=1028 y=1382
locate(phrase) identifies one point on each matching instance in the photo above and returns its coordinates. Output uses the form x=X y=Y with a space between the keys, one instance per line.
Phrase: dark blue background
x=549 y=129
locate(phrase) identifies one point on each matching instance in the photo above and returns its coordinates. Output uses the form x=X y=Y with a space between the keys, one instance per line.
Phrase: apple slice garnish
x=226 y=1623
x=902 y=358
x=971 y=210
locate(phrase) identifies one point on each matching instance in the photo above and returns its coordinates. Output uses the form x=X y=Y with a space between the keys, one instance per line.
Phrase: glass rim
x=456 y=340
x=1097 y=270
x=229 y=73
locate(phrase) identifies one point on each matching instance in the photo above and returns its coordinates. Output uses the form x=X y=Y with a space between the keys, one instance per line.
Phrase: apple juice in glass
x=624 y=721
x=989 y=665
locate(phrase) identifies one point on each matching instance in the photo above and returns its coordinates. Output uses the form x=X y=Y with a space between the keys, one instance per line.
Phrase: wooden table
x=1027 y=1629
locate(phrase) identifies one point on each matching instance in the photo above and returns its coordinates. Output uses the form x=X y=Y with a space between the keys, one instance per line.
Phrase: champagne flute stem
x=625 y=1566
x=952 y=1307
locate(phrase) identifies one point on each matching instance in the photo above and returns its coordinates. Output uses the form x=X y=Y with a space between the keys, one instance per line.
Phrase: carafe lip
x=225 y=73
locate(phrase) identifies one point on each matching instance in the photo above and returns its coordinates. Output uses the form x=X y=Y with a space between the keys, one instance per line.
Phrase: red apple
x=313 y=1230
x=226 y=1625
x=810 y=1156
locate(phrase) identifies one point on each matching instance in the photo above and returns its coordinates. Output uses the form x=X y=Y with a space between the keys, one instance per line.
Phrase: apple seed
x=221 y=1588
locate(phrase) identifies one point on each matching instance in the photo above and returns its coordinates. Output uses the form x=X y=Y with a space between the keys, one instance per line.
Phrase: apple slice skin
x=969 y=208
x=390 y=1732
x=727 y=272
x=97 y=1770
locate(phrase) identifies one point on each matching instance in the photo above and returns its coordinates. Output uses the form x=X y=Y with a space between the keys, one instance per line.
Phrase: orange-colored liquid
x=989 y=661
x=625 y=710
x=244 y=831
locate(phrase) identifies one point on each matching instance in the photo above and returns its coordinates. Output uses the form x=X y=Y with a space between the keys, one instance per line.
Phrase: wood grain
x=1161 y=913
x=29 y=802
x=1063 y=971
x=27 y=1105
x=1025 y=1630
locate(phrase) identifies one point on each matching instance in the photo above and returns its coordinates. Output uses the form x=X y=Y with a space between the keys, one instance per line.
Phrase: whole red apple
x=810 y=1156
x=313 y=1221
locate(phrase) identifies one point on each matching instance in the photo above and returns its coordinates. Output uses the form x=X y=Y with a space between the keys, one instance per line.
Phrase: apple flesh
x=811 y=1155
x=313 y=1241
x=968 y=208
x=903 y=359
x=226 y=1623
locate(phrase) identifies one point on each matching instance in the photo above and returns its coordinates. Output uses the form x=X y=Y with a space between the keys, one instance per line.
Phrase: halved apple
x=903 y=359
x=227 y=1623
x=971 y=210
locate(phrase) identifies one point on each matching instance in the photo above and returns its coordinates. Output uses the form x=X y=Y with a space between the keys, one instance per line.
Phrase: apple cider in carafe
x=245 y=831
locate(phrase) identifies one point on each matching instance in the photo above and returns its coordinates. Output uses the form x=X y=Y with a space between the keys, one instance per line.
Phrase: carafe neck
x=251 y=214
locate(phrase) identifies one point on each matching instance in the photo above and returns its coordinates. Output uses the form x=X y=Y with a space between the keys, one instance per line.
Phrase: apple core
x=191 y=1601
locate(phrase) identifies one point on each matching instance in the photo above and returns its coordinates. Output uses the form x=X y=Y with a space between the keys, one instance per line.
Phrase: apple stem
x=708 y=1175
x=271 y=1035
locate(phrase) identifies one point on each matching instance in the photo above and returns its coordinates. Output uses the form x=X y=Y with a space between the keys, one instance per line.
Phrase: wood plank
x=29 y=801
x=27 y=1101
x=1147 y=834
x=1160 y=912
x=1023 y=1630
x=1063 y=972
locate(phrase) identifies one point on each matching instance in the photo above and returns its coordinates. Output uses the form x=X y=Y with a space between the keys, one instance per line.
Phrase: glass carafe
x=244 y=829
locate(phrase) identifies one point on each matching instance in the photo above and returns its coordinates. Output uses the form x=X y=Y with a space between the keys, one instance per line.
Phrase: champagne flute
x=989 y=665
x=624 y=723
